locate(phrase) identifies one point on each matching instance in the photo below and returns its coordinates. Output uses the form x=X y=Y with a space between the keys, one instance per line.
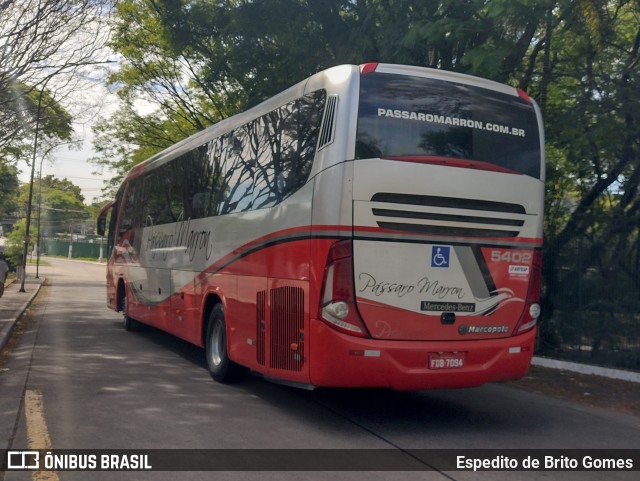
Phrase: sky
x=83 y=92
x=73 y=165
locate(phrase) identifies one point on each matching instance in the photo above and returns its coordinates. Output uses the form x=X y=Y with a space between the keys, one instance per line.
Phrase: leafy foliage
x=61 y=205
x=8 y=186
x=44 y=47
x=14 y=247
x=199 y=61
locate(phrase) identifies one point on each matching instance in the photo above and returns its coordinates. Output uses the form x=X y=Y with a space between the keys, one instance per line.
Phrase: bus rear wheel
x=130 y=324
x=221 y=368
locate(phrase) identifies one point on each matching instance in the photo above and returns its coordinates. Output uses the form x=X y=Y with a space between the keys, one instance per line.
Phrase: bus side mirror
x=102 y=225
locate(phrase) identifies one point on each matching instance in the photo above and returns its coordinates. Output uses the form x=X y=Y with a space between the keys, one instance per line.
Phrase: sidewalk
x=13 y=303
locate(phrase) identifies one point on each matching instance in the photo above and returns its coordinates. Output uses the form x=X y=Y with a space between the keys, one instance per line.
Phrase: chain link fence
x=593 y=315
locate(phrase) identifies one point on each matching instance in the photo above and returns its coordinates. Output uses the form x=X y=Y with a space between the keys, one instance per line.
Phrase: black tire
x=130 y=324
x=221 y=368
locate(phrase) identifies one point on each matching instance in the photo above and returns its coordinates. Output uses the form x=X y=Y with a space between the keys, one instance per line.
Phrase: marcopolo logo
x=464 y=329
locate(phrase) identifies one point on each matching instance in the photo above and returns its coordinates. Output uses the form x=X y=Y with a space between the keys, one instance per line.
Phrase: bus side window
x=111 y=232
x=289 y=138
x=200 y=203
x=255 y=166
x=238 y=172
x=131 y=213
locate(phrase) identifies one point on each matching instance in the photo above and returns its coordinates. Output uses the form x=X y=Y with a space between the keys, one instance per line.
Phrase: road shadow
x=475 y=411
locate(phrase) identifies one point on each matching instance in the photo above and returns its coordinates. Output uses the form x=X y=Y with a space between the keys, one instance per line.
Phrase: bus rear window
x=413 y=116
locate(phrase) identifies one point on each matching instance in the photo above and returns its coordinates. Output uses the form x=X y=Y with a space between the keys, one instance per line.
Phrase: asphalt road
x=78 y=380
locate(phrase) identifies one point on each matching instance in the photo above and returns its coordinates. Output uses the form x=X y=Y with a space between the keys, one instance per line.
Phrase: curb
x=619 y=374
x=5 y=333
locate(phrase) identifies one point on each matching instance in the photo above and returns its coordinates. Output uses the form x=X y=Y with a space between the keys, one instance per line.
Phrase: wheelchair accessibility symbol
x=440 y=256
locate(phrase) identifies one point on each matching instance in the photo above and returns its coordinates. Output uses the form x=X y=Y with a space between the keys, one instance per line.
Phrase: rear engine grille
x=435 y=215
x=287 y=328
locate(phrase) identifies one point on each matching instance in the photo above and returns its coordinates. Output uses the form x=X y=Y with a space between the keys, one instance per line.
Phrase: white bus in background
x=376 y=225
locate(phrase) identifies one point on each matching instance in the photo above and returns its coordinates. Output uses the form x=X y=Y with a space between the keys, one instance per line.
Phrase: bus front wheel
x=221 y=368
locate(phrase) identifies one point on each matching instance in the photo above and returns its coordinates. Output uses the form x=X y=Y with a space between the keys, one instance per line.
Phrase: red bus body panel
x=342 y=360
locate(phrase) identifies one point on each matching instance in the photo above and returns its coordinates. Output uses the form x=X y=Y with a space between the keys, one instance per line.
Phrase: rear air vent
x=435 y=215
x=287 y=328
x=451 y=202
x=327 y=128
x=261 y=326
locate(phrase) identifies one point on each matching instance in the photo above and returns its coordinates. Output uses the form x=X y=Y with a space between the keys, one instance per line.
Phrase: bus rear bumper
x=340 y=360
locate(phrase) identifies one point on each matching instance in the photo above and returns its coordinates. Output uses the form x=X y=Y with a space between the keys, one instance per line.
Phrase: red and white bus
x=376 y=225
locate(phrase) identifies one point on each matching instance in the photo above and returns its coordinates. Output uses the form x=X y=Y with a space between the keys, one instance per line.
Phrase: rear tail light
x=338 y=306
x=523 y=95
x=366 y=68
x=531 y=313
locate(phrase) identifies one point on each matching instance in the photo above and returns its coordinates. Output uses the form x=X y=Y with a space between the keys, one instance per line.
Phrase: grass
x=33 y=262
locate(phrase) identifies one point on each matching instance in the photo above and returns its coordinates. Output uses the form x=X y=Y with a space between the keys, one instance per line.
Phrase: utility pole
x=29 y=203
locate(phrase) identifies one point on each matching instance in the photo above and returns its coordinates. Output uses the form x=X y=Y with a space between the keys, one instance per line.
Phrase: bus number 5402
x=516 y=257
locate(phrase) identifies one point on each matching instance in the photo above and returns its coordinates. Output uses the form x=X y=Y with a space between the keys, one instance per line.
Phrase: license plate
x=447 y=360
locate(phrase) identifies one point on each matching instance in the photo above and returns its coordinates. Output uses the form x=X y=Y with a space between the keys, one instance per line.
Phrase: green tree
x=44 y=40
x=587 y=83
x=14 y=247
x=18 y=118
x=8 y=190
x=50 y=182
x=198 y=61
x=61 y=203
